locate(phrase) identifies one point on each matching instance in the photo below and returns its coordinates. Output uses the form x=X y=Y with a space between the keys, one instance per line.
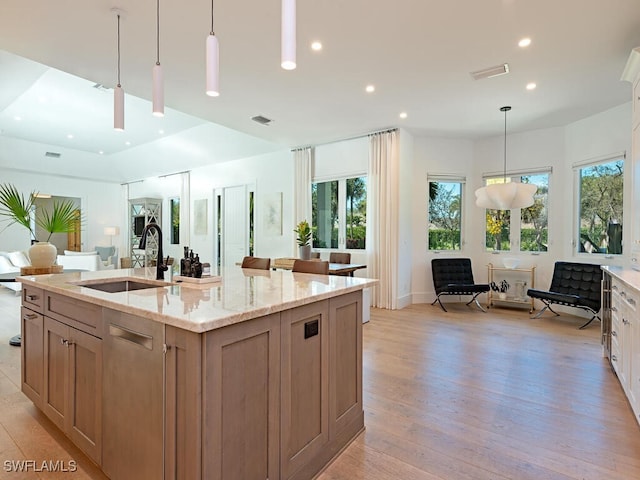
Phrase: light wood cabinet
x=72 y=396
x=32 y=331
x=241 y=401
x=305 y=385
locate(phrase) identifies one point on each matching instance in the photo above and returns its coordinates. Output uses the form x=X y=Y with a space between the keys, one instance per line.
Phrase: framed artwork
x=200 y=216
x=273 y=214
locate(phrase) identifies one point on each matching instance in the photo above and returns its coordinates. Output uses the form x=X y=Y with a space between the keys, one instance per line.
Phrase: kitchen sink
x=116 y=286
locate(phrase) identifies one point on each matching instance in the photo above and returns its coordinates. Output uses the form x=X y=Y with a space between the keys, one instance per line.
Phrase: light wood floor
x=460 y=395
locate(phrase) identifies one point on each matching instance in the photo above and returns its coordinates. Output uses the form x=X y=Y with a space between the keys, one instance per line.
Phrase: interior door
x=235 y=234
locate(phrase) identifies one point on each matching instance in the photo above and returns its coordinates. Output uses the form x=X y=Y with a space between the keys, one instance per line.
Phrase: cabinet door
x=346 y=416
x=56 y=367
x=84 y=420
x=241 y=403
x=32 y=355
x=183 y=413
x=304 y=424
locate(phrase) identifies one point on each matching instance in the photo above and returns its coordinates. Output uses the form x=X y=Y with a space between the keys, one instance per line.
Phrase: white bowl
x=509 y=262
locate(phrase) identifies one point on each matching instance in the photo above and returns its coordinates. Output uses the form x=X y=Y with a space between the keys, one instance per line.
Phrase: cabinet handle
x=30 y=316
x=614 y=333
x=615 y=287
x=631 y=301
x=614 y=358
x=623 y=294
x=625 y=321
x=614 y=308
x=32 y=297
x=141 y=339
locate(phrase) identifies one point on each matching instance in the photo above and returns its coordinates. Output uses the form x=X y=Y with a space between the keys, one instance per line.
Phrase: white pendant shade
x=118 y=108
x=505 y=196
x=158 y=91
x=212 y=66
x=288 y=34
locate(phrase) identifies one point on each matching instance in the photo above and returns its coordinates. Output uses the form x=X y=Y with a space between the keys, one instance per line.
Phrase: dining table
x=334 y=268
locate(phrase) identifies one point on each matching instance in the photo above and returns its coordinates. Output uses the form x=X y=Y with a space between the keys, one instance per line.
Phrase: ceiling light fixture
x=212 y=62
x=403 y=115
x=288 y=60
x=531 y=86
x=157 y=94
x=118 y=92
x=505 y=196
x=490 y=72
x=316 y=46
x=370 y=89
x=525 y=42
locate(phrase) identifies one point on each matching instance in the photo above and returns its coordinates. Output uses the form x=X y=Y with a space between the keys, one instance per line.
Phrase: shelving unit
x=512 y=275
x=141 y=212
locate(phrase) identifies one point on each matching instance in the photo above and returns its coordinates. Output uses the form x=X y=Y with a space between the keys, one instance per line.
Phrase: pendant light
x=212 y=62
x=158 y=79
x=118 y=92
x=505 y=196
x=288 y=61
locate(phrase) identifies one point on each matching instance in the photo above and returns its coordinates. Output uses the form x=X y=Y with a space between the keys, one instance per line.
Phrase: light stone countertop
x=628 y=275
x=242 y=294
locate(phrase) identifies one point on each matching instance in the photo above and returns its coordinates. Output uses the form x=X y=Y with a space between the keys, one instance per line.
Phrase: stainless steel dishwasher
x=133 y=392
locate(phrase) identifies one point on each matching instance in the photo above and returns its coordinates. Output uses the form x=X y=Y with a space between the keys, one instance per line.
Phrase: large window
x=175 y=220
x=600 y=212
x=339 y=213
x=445 y=215
x=526 y=229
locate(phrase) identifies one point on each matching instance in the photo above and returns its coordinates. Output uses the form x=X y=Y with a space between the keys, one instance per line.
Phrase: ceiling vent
x=261 y=120
x=52 y=154
x=491 y=72
x=100 y=87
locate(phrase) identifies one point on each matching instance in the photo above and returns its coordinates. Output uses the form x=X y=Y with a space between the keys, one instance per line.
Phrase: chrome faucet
x=161 y=267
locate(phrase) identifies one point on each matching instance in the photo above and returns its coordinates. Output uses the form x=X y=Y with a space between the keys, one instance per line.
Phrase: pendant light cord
x=158 y=32
x=119 y=50
x=505 y=146
x=212 y=18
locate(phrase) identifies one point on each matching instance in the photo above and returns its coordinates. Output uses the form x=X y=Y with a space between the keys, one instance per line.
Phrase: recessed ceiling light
x=525 y=42
x=531 y=86
x=403 y=115
x=69 y=136
x=127 y=143
x=42 y=99
x=316 y=46
x=101 y=152
x=370 y=89
x=17 y=118
x=161 y=132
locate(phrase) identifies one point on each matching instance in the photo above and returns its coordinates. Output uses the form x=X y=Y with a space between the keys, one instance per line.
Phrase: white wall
x=101 y=205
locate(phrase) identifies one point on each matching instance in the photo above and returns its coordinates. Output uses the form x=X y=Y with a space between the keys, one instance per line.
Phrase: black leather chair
x=453 y=276
x=575 y=285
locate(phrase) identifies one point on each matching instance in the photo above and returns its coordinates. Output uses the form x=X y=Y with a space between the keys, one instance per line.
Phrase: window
x=175 y=220
x=529 y=227
x=600 y=188
x=534 y=220
x=339 y=213
x=445 y=215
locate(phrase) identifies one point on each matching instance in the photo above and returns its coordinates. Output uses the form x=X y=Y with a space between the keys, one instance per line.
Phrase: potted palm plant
x=303 y=231
x=61 y=218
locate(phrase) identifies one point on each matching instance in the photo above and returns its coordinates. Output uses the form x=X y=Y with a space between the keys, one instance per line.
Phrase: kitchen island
x=257 y=376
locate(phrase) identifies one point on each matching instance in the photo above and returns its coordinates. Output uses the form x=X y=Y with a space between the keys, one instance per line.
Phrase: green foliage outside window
x=445 y=218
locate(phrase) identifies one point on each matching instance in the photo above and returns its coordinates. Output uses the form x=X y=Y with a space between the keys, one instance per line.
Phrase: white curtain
x=302 y=158
x=382 y=234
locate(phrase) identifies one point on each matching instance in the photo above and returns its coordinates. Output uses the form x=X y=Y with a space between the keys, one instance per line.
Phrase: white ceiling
x=418 y=54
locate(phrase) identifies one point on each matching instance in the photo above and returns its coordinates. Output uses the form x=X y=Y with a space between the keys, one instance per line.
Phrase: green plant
x=304 y=233
x=16 y=208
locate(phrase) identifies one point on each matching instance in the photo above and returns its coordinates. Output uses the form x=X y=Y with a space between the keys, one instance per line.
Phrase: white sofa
x=10 y=262
x=89 y=261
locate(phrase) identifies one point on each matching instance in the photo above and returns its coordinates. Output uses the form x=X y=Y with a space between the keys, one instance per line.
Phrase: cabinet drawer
x=33 y=298
x=84 y=316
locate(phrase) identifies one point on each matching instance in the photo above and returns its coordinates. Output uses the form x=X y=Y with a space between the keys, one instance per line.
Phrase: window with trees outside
x=445 y=215
x=505 y=229
x=600 y=195
x=175 y=220
x=339 y=213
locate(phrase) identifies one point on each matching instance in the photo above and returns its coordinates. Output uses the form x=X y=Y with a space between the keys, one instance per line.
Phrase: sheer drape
x=382 y=233
x=302 y=158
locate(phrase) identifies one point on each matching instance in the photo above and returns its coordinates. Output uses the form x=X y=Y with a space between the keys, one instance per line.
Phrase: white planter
x=305 y=252
x=43 y=254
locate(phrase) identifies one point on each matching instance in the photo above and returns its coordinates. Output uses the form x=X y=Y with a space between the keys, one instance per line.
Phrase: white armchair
x=89 y=261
